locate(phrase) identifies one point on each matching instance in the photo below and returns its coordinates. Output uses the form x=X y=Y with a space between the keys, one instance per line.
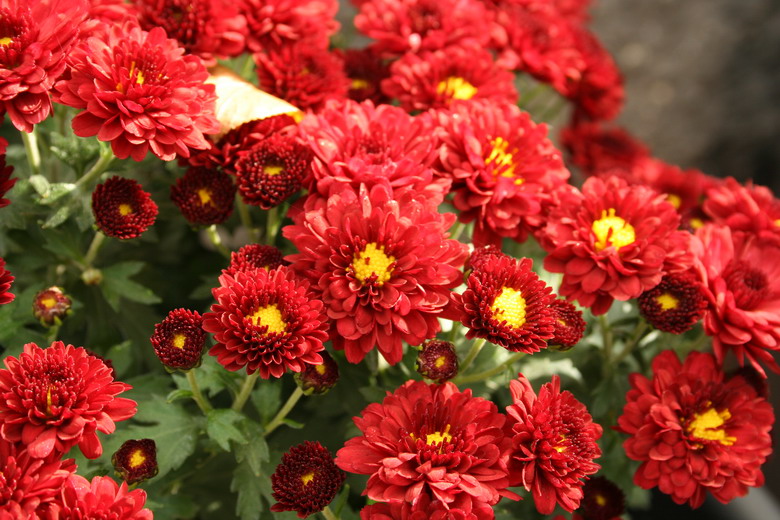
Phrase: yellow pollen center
x=674 y=200
x=179 y=340
x=359 y=84
x=777 y=222
x=502 y=160
x=320 y=369
x=696 y=223
x=137 y=458
x=373 y=261
x=708 y=426
x=205 y=196
x=600 y=500
x=6 y=41
x=269 y=316
x=48 y=302
x=439 y=362
x=561 y=447
x=125 y=209
x=509 y=306
x=611 y=230
x=49 y=411
x=456 y=87
x=308 y=477
x=272 y=169
x=438 y=437
x=667 y=301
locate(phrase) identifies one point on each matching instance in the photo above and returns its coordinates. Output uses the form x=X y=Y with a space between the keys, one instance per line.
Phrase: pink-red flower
x=101 y=498
x=747 y=208
x=122 y=209
x=278 y=23
x=611 y=242
x=596 y=148
x=35 y=38
x=138 y=90
x=382 y=265
x=553 y=444
x=695 y=430
x=266 y=322
x=427 y=443
x=6 y=279
x=59 y=397
x=254 y=256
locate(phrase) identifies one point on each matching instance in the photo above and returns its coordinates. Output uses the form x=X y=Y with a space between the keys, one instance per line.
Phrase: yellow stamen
x=456 y=87
x=509 y=306
x=373 y=261
x=708 y=426
x=179 y=341
x=320 y=369
x=502 y=160
x=272 y=169
x=611 y=230
x=48 y=302
x=125 y=209
x=439 y=362
x=667 y=301
x=674 y=200
x=696 y=223
x=438 y=437
x=49 y=411
x=600 y=500
x=205 y=196
x=137 y=458
x=6 y=41
x=308 y=477
x=359 y=84
x=269 y=316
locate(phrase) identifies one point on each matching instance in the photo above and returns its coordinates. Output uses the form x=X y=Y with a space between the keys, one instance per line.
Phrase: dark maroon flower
x=437 y=361
x=50 y=306
x=675 y=304
x=318 y=379
x=6 y=279
x=122 y=209
x=136 y=460
x=254 y=256
x=179 y=339
x=569 y=325
x=204 y=196
x=6 y=182
x=602 y=500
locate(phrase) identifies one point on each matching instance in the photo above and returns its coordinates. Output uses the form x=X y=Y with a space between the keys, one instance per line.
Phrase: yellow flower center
x=205 y=196
x=179 y=340
x=269 y=316
x=373 y=261
x=6 y=41
x=502 y=160
x=48 y=302
x=272 y=169
x=137 y=458
x=708 y=426
x=308 y=477
x=438 y=437
x=509 y=306
x=611 y=230
x=667 y=301
x=456 y=87
x=320 y=369
x=125 y=209
x=359 y=84
x=696 y=223
x=439 y=362
x=600 y=500
x=49 y=411
x=674 y=200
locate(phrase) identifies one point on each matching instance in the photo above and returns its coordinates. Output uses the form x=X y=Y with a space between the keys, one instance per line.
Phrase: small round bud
x=136 y=461
x=437 y=360
x=602 y=500
x=92 y=276
x=50 y=306
x=179 y=339
x=569 y=326
x=318 y=379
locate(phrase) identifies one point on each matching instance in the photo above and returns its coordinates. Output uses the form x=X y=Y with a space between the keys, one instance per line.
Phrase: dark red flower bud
x=179 y=339
x=136 y=461
x=318 y=379
x=437 y=360
x=50 y=306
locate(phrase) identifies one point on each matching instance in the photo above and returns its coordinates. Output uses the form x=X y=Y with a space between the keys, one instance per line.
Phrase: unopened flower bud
x=179 y=339
x=569 y=326
x=437 y=360
x=50 y=306
x=318 y=379
x=136 y=461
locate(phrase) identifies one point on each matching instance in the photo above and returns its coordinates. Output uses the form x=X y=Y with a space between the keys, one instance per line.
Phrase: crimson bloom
x=136 y=460
x=178 y=340
x=382 y=265
x=101 y=498
x=280 y=23
x=569 y=325
x=6 y=279
x=139 y=91
x=122 y=209
x=553 y=442
x=266 y=321
x=695 y=430
x=596 y=148
x=748 y=208
x=204 y=196
x=6 y=182
x=56 y=398
x=428 y=509
x=254 y=256
x=675 y=304
x=37 y=36
x=430 y=443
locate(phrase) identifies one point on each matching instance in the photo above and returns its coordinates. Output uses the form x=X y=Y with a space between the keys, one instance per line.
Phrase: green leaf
x=121 y=357
x=247 y=485
x=293 y=424
x=116 y=284
x=59 y=216
x=179 y=393
x=40 y=184
x=267 y=398
x=56 y=192
x=254 y=452
x=222 y=427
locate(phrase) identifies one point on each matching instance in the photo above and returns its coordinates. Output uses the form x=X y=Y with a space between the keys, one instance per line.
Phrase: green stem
x=453 y=334
x=33 y=153
x=272 y=224
x=279 y=417
x=246 y=391
x=456 y=230
x=197 y=396
x=246 y=219
x=476 y=347
x=636 y=337
x=100 y=166
x=213 y=235
x=94 y=247
x=328 y=514
x=248 y=67
x=481 y=376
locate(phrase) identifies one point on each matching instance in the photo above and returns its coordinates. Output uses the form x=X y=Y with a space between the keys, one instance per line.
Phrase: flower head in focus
x=254 y=256
x=101 y=498
x=136 y=460
x=178 y=340
x=122 y=209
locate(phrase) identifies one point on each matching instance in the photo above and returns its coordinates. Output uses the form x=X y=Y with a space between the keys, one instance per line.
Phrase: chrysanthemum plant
x=258 y=262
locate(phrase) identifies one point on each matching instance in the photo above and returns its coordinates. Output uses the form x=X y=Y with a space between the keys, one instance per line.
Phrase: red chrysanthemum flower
x=35 y=38
x=602 y=500
x=381 y=263
x=6 y=279
x=483 y=255
x=273 y=170
x=611 y=243
x=101 y=498
x=254 y=256
x=695 y=431
x=136 y=460
x=430 y=442
x=365 y=70
x=50 y=306
x=464 y=508
x=401 y=26
x=434 y=79
x=304 y=75
x=56 y=398
x=747 y=208
x=596 y=148
x=568 y=323
x=306 y=480
x=362 y=143
x=279 y=23
x=437 y=361
x=599 y=93
x=6 y=182
x=204 y=196
x=675 y=304
x=554 y=443
x=318 y=379
x=28 y=485
x=178 y=340
x=741 y=276
x=209 y=29
x=139 y=91
x=503 y=167
x=266 y=321
x=506 y=303
x=122 y=209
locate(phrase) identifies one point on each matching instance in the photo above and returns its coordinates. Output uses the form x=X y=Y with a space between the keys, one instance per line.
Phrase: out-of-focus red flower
x=139 y=91
x=599 y=93
x=365 y=70
x=6 y=182
x=37 y=36
x=425 y=508
x=437 y=361
x=209 y=29
x=279 y=23
x=741 y=276
x=56 y=398
x=254 y=256
x=502 y=166
x=595 y=147
x=178 y=340
x=101 y=498
x=602 y=500
x=553 y=442
x=612 y=243
x=50 y=306
x=318 y=379
x=266 y=322
x=6 y=279
x=430 y=443
x=204 y=196
x=122 y=209
x=382 y=265
x=434 y=79
x=694 y=430
x=749 y=208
